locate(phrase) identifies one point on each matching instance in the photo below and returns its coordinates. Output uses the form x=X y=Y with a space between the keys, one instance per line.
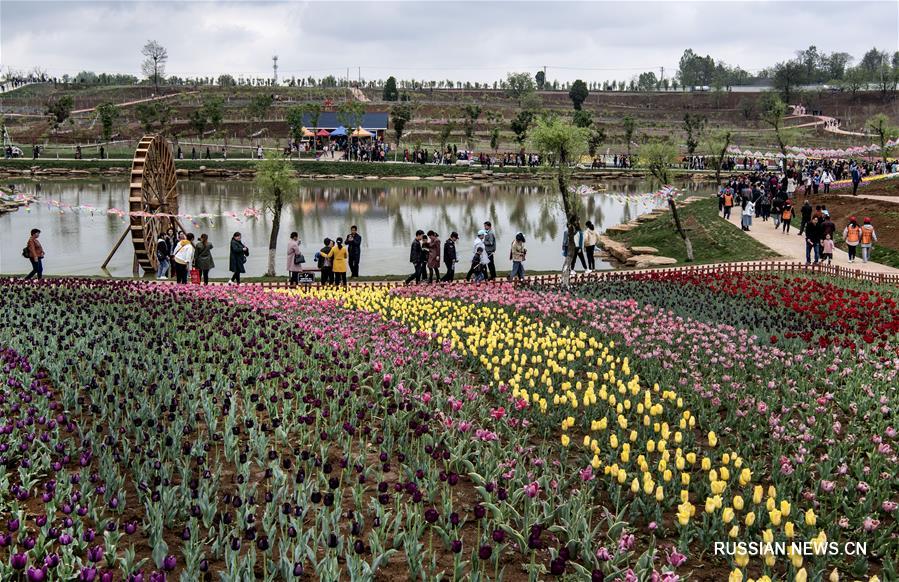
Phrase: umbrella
x=340 y=131
x=322 y=133
x=361 y=133
x=306 y=132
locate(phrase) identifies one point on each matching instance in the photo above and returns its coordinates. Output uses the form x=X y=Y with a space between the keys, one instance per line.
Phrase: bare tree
x=155 y=58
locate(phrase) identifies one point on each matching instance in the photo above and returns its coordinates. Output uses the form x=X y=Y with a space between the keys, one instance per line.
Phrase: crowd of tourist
x=773 y=196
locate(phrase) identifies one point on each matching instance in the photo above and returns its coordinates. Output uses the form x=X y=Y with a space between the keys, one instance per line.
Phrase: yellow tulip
x=745 y=476
x=801 y=575
x=565 y=440
x=727 y=515
x=713 y=439
x=635 y=486
x=789 y=530
x=810 y=518
x=735 y=576
x=660 y=494
x=775 y=516
x=734 y=532
x=768 y=536
x=796 y=560
x=741 y=558
x=785 y=507
x=738 y=503
x=757 y=494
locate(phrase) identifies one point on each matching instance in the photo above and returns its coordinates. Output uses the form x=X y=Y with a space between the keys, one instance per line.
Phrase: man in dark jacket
x=449 y=256
x=490 y=247
x=806 y=216
x=417 y=258
x=354 y=248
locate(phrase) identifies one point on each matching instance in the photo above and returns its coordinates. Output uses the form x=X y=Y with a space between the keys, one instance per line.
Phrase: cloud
x=477 y=41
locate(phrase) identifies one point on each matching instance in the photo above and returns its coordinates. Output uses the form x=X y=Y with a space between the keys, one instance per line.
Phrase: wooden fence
x=604 y=276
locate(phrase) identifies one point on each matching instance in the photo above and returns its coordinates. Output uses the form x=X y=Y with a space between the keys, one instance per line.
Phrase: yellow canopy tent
x=307 y=133
x=361 y=133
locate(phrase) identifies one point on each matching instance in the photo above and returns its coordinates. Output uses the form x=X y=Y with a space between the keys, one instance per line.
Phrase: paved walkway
x=792 y=246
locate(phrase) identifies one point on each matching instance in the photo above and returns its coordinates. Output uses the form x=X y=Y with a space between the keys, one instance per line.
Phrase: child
x=477 y=266
x=828 y=249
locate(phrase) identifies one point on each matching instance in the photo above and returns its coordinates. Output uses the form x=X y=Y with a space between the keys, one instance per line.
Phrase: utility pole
x=662 y=77
x=275 y=69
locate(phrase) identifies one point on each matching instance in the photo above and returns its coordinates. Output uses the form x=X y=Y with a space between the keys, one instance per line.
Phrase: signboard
x=307 y=278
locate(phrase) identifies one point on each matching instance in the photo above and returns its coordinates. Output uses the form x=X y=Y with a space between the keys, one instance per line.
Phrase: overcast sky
x=477 y=41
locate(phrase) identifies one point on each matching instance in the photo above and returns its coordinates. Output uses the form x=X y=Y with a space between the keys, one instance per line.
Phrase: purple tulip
x=95 y=553
x=65 y=539
x=130 y=527
x=107 y=577
x=169 y=563
x=88 y=574
x=36 y=574
x=18 y=561
x=298 y=569
x=456 y=546
x=12 y=525
x=485 y=552
x=557 y=567
x=51 y=561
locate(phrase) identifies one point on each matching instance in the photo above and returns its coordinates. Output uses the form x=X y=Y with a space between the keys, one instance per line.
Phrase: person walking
x=786 y=215
x=417 y=258
x=35 y=254
x=324 y=263
x=449 y=256
x=728 y=199
x=490 y=249
x=852 y=234
x=827 y=249
x=868 y=238
x=813 y=241
x=805 y=216
x=478 y=243
x=591 y=237
x=354 y=246
x=184 y=257
x=856 y=174
x=517 y=255
x=479 y=261
x=203 y=257
x=433 y=257
x=237 y=257
x=826 y=179
x=338 y=256
x=163 y=251
x=748 y=213
x=294 y=258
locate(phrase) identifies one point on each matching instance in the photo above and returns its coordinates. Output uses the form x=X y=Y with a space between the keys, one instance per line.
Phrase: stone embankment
x=637 y=257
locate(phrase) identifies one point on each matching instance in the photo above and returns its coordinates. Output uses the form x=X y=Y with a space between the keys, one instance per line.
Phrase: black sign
x=307 y=278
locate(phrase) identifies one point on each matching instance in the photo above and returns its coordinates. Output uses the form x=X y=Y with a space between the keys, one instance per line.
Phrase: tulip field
x=625 y=430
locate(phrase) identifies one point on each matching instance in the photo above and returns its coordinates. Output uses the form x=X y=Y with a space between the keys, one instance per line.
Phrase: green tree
x=446 y=131
x=582 y=118
x=214 y=111
x=565 y=143
x=658 y=157
x=596 y=139
x=259 y=106
x=578 y=94
x=276 y=186
x=854 y=80
x=773 y=113
x=630 y=126
x=717 y=145
x=787 y=76
x=400 y=115
x=472 y=113
x=295 y=116
x=390 y=91
x=108 y=114
x=540 y=78
x=226 y=81
x=350 y=114
x=520 y=124
x=693 y=125
x=647 y=81
x=880 y=126
x=198 y=122
x=518 y=85
x=59 y=110
x=314 y=111
x=155 y=58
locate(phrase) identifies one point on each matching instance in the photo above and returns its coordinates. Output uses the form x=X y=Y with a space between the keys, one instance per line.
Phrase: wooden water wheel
x=154 y=190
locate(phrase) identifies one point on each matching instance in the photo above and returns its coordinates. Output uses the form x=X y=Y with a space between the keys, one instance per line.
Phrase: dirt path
x=136 y=101
x=792 y=246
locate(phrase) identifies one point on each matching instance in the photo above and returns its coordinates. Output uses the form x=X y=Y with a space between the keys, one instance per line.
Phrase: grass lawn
x=714 y=239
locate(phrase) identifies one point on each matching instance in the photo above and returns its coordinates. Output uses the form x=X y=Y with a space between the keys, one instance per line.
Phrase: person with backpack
x=449 y=256
x=34 y=252
x=868 y=238
x=163 y=251
x=852 y=234
x=184 y=257
x=203 y=257
x=324 y=263
x=786 y=215
x=338 y=258
x=517 y=255
x=237 y=258
x=417 y=257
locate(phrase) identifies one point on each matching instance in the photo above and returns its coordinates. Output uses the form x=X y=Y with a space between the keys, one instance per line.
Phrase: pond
x=387 y=214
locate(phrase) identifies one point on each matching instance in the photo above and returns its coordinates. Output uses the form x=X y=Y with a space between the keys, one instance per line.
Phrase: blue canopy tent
x=339 y=132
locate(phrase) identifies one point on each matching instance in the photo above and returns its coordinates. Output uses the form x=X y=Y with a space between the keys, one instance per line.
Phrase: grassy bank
x=714 y=240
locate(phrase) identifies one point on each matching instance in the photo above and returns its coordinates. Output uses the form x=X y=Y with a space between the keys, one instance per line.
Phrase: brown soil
x=884 y=215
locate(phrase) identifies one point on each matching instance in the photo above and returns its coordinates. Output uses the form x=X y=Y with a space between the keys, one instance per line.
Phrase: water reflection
x=387 y=215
